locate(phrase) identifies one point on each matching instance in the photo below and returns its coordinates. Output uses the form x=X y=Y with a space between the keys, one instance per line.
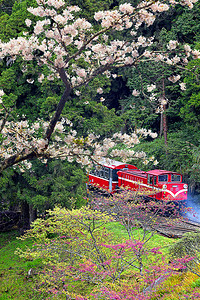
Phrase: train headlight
x=164 y=186
x=185 y=186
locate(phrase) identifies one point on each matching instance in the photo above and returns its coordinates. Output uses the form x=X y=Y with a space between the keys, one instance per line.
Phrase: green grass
x=14 y=280
x=156 y=240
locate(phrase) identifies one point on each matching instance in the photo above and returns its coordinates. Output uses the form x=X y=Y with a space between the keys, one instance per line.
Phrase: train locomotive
x=112 y=175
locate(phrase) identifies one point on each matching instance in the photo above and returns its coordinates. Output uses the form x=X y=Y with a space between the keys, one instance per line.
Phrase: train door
x=151 y=182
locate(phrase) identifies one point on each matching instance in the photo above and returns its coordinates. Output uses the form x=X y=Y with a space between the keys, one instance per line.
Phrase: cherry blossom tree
x=76 y=52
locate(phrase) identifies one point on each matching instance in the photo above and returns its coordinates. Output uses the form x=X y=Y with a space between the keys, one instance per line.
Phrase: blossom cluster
x=62 y=37
x=23 y=137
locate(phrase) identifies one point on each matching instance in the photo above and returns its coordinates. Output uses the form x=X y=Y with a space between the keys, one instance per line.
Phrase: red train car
x=105 y=176
x=157 y=184
x=111 y=175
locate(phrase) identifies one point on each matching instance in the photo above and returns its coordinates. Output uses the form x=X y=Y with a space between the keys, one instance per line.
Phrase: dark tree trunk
x=163 y=116
x=25 y=217
x=32 y=214
x=161 y=124
x=165 y=125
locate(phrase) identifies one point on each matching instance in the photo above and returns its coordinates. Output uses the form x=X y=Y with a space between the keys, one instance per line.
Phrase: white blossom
x=151 y=87
x=1 y=93
x=182 y=86
x=28 y=22
x=100 y=91
x=155 y=162
x=174 y=78
x=30 y=80
x=135 y=93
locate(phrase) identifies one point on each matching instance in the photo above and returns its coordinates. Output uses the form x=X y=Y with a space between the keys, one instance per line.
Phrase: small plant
x=189 y=244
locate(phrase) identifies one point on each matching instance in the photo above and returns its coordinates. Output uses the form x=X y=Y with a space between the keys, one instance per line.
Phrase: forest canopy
x=70 y=73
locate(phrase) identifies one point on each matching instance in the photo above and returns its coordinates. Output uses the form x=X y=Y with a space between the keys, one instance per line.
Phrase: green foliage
x=144 y=110
x=189 y=245
x=8 y=193
x=182 y=25
x=13 y=24
x=190 y=110
x=45 y=185
x=78 y=246
x=6 y=6
x=39 y=100
x=54 y=183
x=187 y=25
x=176 y=156
x=92 y=117
x=194 y=171
x=89 y=7
x=196 y=283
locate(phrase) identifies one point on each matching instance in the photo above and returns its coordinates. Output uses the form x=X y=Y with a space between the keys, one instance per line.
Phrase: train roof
x=160 y=172
x=136 y=172
x=114 y=164
x=144 y=174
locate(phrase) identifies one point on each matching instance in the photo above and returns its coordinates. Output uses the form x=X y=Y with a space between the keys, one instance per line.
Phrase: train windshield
x=176 y=177
x=162 y=178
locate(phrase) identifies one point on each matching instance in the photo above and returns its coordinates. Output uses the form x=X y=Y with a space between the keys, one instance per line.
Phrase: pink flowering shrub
x=76 y=247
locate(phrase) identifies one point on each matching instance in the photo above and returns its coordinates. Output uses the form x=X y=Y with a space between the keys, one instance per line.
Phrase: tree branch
x=19 y=157
x=61 y=104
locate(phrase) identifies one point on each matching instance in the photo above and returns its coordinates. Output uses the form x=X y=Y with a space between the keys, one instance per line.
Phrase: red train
x=158 y=184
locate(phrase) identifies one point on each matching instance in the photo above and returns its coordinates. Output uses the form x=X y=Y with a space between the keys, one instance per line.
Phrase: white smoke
x=193 y=208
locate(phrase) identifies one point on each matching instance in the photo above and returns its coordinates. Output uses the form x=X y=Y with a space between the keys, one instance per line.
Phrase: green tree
x=190 y=110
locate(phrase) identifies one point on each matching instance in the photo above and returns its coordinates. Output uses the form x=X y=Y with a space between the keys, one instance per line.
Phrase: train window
x=150 y=179
x=154 y=180
x=106 y=173
x=92 y=171
x=96 y=172
x=176 y=177
x=162 y=178
x=101 y=172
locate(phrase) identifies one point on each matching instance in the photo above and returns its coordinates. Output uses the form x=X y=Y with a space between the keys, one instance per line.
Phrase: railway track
x=169 y=227
x=177 y=230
